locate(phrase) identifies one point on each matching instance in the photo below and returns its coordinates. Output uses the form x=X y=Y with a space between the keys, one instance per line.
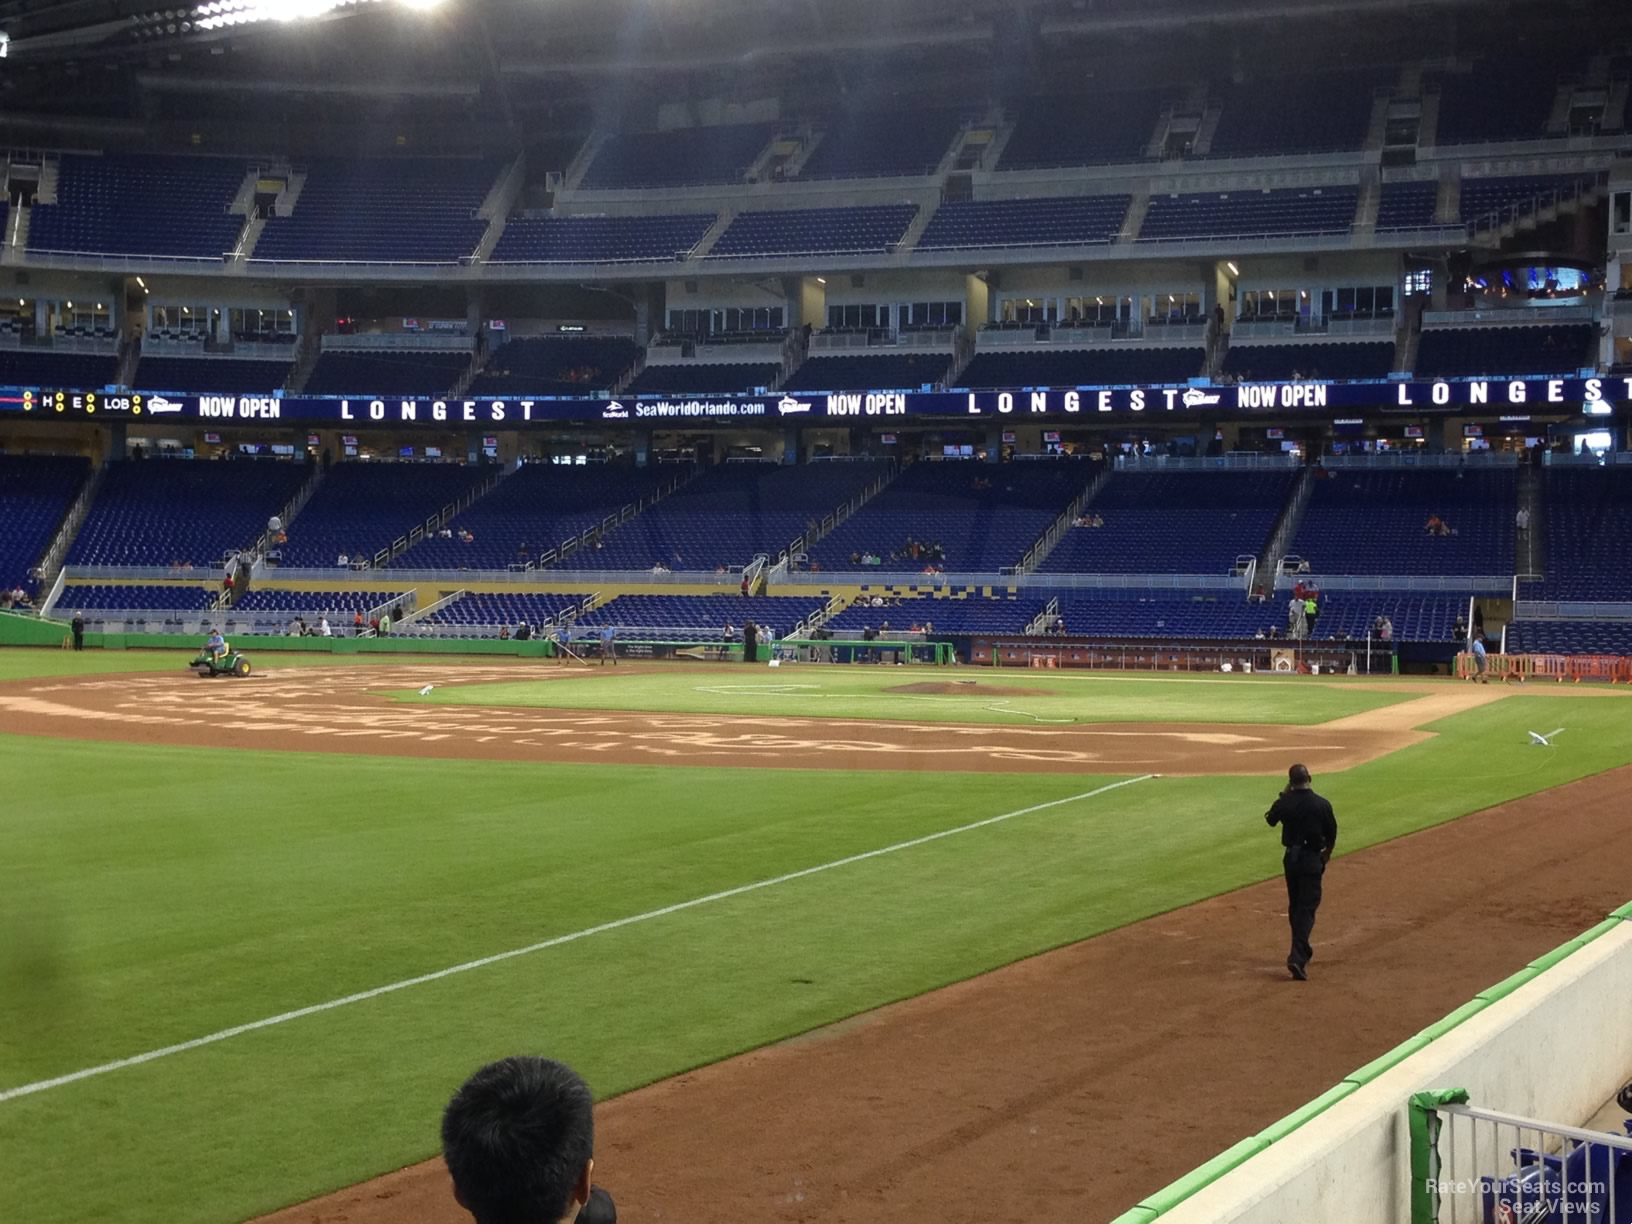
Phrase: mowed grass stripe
x=545 y=944
x=970 y=695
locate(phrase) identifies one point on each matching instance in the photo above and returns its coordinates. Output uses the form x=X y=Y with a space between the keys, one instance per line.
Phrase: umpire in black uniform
x=1309 y=833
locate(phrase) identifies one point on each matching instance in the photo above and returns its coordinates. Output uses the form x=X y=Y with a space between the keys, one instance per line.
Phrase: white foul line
x=555 y=942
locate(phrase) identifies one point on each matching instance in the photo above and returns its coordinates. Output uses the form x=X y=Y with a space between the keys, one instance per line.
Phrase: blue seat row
x=600 y=239
x=35 y=493
x=1053 y=221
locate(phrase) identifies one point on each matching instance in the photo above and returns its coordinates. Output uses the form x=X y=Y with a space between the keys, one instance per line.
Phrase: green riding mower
x=230 y=664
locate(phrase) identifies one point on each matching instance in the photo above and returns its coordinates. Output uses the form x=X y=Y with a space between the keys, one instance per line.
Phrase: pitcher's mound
x=967 y=688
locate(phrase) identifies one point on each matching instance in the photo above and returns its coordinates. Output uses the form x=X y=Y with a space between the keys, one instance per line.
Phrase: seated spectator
x=343 y=561
x=519 y=1141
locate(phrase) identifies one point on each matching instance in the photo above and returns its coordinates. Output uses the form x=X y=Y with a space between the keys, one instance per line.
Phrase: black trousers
x=1304 y=872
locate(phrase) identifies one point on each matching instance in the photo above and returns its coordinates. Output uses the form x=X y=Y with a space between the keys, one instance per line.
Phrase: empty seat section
x=677 y=158
x=1285 y=212
x=550 y=365
x=883 y=145
x=141 y=205
x=871 y=230
x=360 y=509
x=1509 y=98
x=1471 y=352
x=268 y=611
x=489 y=611
x=35 y=493
x=57 y=371
x=1415 y=617
x=1570 y=637
x=1586 y=522
x=1082 y=131
x=1482 y=197
x=1136 y=613
x=534 y=510
x=869 y=372
x=728 y=515
x=1174 y=523
x=967 y=615
x=1359 y=360
x=1407 y=206
x=387 y=371
x=228 y=375
x=705 y=378
x=1323 y=113
x=600 y=239
x=164 y=511
x=416 y=210
x=157 y=597
x=1376 y=522
x=1051 y=367
x=656 y=617
x=1056 y=221
x=983 y=517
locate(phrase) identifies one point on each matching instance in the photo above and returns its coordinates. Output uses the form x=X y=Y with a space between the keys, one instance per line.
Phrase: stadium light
x=223 y=14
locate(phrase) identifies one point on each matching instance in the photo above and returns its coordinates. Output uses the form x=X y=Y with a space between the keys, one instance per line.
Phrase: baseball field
x=1026 y=928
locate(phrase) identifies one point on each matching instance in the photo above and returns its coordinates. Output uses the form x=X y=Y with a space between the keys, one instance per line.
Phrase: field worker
x=1479 y=660
x=1308 y=835
x=608 y=633
x=215 y=643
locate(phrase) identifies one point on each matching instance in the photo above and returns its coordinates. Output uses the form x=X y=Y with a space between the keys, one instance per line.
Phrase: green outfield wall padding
x=1277 y=1131
x=1624 y=913
x=1203 y=1175
x=1549 y=959
x=252 y=646
x=1509 y=984
x=1467 y=1011
x=18 y=630
x=1361 y=1076
x=1136 y=1215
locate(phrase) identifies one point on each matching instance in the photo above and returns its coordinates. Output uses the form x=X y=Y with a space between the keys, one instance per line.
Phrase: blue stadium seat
x=159 y=597
x=35 y=493
x=600 y=239
x=969 y=615
x=883 y=145
x=490 y=610
x=141 y=204
x=869 y=372
x=705 y=378
x=728 y=515
x=1343 y=360
x=1407 y=206
x=869 y=230
x=361 y=508
x=678 y=158
x=984 y=516
x=413 y=210
x=1482 y=197
x=227 y=375
x=1056 y=367
x=1569 y=637
x=1508 y=98
x=1055 y=221
x=387 y=371
x=1286 y=212
x=157 y=512
x=655 y=617
x=536 y=509
x=1374 y=522
x=48 y=371
x=1586 y=521
x=1469 y=352
x=1317 y=113
x=1174 y=523
x=556 y=365
x=1051 y=133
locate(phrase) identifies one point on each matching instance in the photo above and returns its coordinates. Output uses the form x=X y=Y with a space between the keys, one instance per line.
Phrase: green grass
x=151 y=895
x=866 y=692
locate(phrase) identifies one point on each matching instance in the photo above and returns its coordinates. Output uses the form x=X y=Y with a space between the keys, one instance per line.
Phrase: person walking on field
x=1308 y=837
x=78 y=628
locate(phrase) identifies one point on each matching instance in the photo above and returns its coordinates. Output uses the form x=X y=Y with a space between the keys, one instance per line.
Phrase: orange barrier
x=1612 y=669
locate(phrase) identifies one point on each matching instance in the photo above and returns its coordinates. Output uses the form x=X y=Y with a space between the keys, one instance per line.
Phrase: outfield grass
x=867 y=692
x=153 y=895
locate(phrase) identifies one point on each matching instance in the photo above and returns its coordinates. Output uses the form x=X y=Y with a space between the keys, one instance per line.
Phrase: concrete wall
x=1553 y=1049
